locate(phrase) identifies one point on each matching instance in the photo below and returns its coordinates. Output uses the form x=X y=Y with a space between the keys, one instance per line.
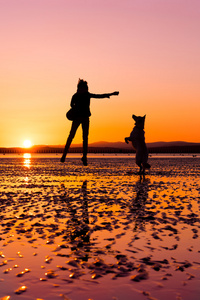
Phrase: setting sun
x=27 y=143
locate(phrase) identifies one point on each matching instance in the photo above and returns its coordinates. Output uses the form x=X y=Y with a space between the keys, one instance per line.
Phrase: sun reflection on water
x=26 y=179
x=27 y=160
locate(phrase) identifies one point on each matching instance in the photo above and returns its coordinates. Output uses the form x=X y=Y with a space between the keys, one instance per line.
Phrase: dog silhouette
x=137 y=137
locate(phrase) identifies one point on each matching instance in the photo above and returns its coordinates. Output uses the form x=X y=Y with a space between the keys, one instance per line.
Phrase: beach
x=99 y=232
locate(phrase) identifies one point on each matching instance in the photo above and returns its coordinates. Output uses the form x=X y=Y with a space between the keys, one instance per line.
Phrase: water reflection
x=138 y=208
x=78 y=231
x=26 y=179
x=27 y=160
x=87 y=227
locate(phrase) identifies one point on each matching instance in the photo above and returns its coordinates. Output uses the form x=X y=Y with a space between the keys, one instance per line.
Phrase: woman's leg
x=75 y=125
x=85 y=128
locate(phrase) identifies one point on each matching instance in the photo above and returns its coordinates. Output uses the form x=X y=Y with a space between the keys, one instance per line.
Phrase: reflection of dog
x=138 y=142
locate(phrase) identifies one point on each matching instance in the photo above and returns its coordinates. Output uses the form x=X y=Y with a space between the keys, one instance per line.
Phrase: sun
x=27 y=144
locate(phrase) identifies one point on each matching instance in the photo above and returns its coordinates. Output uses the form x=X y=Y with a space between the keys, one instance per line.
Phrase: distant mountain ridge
x=110 y=147
x=123 y=145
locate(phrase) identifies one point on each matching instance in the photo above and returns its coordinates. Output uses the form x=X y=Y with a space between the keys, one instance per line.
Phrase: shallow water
x=99 y=232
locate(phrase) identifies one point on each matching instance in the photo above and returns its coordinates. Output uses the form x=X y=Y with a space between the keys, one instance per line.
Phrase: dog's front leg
x=127 y=140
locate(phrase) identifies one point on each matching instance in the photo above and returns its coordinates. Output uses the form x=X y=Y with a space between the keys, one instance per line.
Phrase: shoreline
x=100 y=155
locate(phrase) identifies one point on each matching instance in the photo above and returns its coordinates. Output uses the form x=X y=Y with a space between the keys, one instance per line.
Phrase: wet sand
x=100 y=232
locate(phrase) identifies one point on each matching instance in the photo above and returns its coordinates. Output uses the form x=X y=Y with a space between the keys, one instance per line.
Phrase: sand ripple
x=99 y=232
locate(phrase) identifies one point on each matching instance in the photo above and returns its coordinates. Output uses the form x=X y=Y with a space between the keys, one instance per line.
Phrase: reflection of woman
x=78 y=229
x=81 y=104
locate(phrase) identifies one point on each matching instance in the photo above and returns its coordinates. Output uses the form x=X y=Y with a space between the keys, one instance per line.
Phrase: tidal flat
x=99 y=232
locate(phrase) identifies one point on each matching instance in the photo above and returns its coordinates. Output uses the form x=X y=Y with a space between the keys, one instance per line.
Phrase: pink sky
x=146 y=49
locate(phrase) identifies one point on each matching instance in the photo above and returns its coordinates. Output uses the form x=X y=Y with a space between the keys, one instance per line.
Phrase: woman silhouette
x=81 y=104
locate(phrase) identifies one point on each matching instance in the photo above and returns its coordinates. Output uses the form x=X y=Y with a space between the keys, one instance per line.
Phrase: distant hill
x=123 y=145
x=149 y=145
x=111 y=147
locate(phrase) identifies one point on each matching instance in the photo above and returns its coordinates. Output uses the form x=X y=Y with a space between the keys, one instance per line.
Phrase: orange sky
x=146 y=49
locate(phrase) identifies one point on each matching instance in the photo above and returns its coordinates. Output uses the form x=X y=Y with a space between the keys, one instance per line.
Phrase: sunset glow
x=27 y=144
x=148 y=50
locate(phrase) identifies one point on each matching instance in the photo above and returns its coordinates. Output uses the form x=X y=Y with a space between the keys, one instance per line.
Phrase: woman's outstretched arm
x=104 y=95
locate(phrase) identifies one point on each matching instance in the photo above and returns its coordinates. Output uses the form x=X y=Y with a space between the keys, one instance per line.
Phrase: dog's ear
x=134 y=117
x=144 y=116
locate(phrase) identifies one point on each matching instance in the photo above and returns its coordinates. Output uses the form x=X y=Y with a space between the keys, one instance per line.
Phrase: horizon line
x=99 y=142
